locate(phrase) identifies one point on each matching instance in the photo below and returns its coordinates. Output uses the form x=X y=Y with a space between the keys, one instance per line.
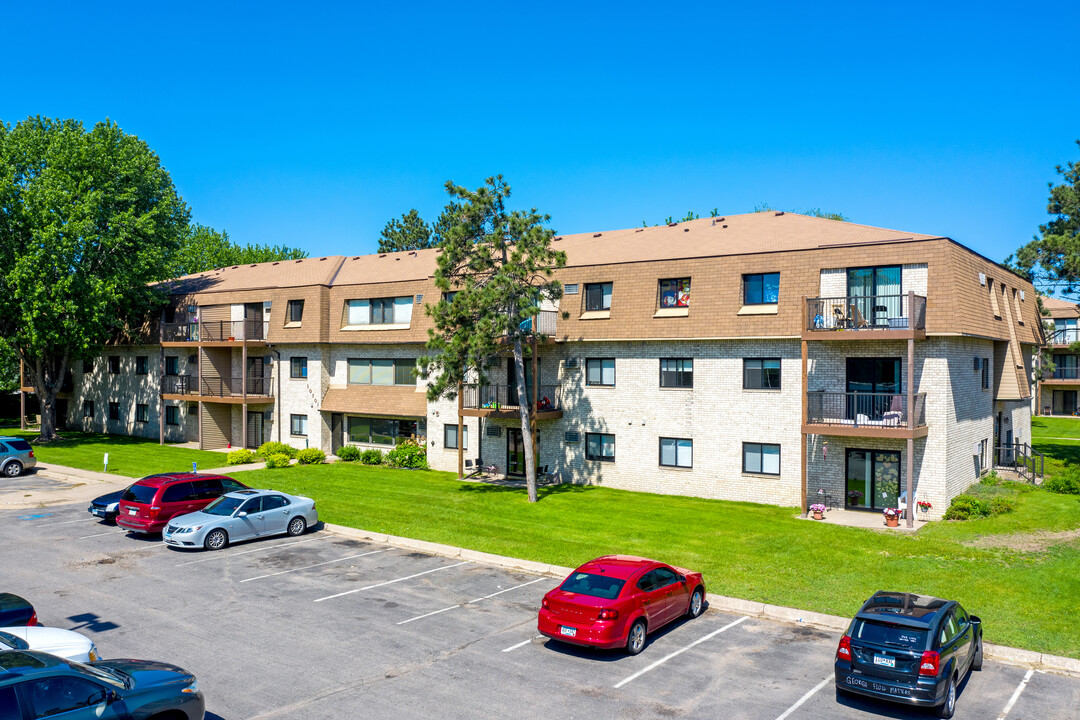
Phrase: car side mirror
x=682 y=578
x=99 y=698
x=241 y=514
x=975 y=619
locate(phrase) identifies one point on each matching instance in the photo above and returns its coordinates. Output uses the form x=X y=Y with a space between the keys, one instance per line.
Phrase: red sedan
x=614 y=601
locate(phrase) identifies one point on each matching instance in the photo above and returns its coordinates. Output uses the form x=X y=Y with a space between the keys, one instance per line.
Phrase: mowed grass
x=128 y=456
x=756 y=552
x=1056 y=427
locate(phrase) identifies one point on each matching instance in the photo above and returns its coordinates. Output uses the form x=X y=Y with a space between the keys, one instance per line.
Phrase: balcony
x=867 y=317
x=227 y=389
x=215 y=331
x=501 y=401
x=1064 y=376
x=545 y=322
x=861 y=414
x=1064 y=336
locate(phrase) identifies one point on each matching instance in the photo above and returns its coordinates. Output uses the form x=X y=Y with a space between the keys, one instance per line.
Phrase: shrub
x=240 y=457
x=277 y=448
x=348 y=453
x=992 y=479
x=277 y=460
x=1001 y=504
x=311 y=456
x=1065 y=483
x=408 y=454
x=371 y=457
x=963 y=507
x=969 y=505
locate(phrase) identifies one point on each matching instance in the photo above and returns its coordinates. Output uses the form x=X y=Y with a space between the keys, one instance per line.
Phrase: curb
x=778 y=613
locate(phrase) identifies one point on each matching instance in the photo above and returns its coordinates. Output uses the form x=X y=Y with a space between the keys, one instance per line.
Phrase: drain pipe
x=277 y=400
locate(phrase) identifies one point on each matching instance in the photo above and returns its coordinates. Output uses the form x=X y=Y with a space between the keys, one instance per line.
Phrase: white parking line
x=306 y=567
x=66 y=522
x=226 y=556
x=1016 y=694
x=391 y=582
x=454 y=607
x=111 y=532
x=680 y=651
x=522 y=643
x=804 y=698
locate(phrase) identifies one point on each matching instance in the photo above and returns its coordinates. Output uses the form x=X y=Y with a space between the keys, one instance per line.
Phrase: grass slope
x=757 y=552
x=1055 y=427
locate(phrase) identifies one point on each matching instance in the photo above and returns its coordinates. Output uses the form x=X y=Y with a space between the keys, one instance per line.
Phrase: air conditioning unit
x=571 y=363
x=493 y=431
x=572 y=436
x=570 y=289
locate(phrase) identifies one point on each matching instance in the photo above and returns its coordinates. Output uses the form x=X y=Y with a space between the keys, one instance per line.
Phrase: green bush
x=992 y=479
x=348 y=453
x=1002 y=505
x=240 y=457
x=277 y=448
x=408 y=454
x=999 y=499
x=371 y=457
x=1066 y=482
x=277 y=460
x=311 y=456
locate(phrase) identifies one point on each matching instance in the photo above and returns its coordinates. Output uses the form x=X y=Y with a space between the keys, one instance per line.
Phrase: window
x=142 y=365
x=761 y=289
x=986 y=373
x=675 y=293
x=598 y=296
x=142 y=413
x=114 y=364
x=298 y=424
x=761 y=373
x=379 y=311
x=676 y=373
x=600 y=371
x=273 y=502
x=403 y=372
x=172 y=365
x=382 y=372
x=179 y=492
x=450 y=437
x=88 y=409
x=87 y=367
x=983 y=455
x=172 y=415
x=761 y=459
x=676 y=452
x=60 y=695
x=114 y=411
x=298 y=367
x=253 y=505
x=386 y=431
x=599 y=446
x=295 y=311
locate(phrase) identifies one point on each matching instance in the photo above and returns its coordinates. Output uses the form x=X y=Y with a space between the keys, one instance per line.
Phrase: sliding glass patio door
x=876 y=293
x=873 y=479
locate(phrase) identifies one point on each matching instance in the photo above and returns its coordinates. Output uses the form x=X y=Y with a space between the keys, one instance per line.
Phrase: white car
x=64 y=643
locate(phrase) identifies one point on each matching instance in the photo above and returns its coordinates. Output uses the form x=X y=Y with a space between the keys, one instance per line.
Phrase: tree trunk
x=526 y=426
x=47 y=379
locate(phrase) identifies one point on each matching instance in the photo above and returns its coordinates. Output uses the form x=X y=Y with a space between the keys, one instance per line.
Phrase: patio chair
x=839 y=319
x=860 y=321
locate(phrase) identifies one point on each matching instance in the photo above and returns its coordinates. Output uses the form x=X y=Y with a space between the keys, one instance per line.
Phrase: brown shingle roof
x=281 y=274
x=1060 y=308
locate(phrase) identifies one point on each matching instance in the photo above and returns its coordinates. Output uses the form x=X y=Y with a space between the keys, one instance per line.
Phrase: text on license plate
x=886 y=661
x=133 y=511
x=568 y=631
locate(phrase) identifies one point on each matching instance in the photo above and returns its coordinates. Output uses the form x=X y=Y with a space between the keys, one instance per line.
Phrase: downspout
x=277 y=400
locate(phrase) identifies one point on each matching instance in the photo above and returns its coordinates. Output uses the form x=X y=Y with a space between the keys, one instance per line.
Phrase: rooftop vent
x=598 y=234
x=557 y=238
x=276 y=263
x=672 y=224
x=779 y=213
x=640 y=230
x=413 y=252
x=686 y=229
x=725 y=225
x=300 y=261
x=382 y=255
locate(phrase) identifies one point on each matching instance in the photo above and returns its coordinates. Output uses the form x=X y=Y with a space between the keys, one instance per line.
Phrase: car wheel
x=13 y=469
x=947 y=708
x=697 y=603
x=216 y=539
x=976 y=664
x=635 y=639
x=297 y=526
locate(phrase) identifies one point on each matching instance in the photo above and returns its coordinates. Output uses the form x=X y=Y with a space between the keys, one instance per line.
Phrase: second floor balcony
x=1064 y=336
x=865 y=414
x=1064 y=373
x=878 y=317
x=215 y=331
x=227 y=389
x=503 y=401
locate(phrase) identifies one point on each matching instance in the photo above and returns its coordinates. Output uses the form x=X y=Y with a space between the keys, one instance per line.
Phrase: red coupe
x=614 y=601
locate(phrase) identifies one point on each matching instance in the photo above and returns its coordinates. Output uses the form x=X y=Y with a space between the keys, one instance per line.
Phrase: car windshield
x=12 y=642
x=881 y=633
x=224 y=505
x=599 y=586
x=139 y=493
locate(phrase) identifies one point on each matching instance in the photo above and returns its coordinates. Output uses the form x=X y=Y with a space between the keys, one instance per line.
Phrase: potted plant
x=854 y=497
x=892 y=517
x=924 y=506
x=818 y=509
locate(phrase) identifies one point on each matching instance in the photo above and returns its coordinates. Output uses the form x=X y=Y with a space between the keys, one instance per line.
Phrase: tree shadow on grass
x=515 y=489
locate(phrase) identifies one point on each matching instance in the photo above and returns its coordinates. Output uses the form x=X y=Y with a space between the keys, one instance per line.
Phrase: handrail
x=1064 y=336
x=866 y=312
x=230 y=386
x=863 y=409
x=505 y=397
x=215 y=331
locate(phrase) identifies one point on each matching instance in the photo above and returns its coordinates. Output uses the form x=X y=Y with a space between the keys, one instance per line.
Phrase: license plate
x=97 y=512
x=568 y=631
x=133 y=511
x=885 y=661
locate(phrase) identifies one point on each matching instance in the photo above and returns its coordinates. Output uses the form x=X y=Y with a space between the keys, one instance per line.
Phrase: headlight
x=193 y=687
x=190 y=529
x=94 y=657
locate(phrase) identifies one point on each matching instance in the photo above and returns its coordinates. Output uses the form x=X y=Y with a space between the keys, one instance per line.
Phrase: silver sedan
x=242 y=515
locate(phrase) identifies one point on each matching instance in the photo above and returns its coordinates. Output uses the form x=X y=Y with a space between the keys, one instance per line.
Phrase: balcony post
x=22 y=396
x=805 y=400
x=535 y=401
x=243 y=383
x=460 y=434
x=910 y=514
x=161 y=397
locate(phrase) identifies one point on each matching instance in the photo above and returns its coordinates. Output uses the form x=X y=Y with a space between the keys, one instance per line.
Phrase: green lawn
x=128 y=456
x=1056 y=427
x=757 y=552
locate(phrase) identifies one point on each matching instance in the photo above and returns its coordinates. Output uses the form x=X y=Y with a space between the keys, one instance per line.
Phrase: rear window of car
x=139 y=494
x=881 y=633
x=19 y=445
x=179 y=492
x=599 y=586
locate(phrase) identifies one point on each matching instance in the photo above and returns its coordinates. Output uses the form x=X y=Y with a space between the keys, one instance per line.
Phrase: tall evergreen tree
x=500 y=265
x=408 y=233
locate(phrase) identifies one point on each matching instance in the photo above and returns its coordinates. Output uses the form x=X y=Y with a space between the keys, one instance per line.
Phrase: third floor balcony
x=216 y=331
x=865 y=317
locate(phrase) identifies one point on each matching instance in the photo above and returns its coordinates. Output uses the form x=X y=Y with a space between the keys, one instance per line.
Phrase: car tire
x=13 y=469
x=635 y=639
x=697 y=603
x=216 y=539
x=976 y=663
x=296 y=526
x=947 y=708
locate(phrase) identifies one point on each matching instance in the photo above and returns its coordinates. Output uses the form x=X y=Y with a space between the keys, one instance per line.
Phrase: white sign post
x=106 y=463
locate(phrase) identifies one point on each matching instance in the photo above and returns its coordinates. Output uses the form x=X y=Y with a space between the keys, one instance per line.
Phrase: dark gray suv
x=16 y=455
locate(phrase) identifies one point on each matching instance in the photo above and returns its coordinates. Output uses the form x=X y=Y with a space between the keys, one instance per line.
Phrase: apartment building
x=1057 y=391
x=766 y=357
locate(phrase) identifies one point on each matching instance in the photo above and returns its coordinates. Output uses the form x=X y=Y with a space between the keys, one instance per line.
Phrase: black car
x=16 y=611
x=36 y=684
x=908 y=648
x=105 y=507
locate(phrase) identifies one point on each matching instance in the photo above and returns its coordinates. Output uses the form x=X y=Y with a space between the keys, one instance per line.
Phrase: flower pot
x=892 y=521
x=818 y=515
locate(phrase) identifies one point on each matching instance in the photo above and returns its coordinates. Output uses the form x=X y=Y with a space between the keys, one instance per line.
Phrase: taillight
x=930 y=663
x=607 y=614
x=544 y=603
x=843 y=651
x=31 y=453
x=33 y=620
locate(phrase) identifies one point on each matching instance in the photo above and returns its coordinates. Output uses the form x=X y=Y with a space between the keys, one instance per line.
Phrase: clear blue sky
x=312 y=126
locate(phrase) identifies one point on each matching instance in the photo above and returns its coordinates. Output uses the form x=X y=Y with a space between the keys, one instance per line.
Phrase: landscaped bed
x=1017 y=570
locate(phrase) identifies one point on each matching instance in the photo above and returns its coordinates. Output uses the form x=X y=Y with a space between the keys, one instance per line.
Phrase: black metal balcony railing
x=217 y=386
x=1064 y=336
x=870 y=312
x=1067 y=373
x=505 y=397
x=863 y=409
x=215 y=331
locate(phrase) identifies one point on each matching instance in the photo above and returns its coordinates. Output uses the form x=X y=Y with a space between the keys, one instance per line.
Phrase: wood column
x=243 y=383
x=910 y=514
x=22 y=396
x=200 y=426
x=460 y=434
x=802 y=433
x=161 y=398
x=535 y=401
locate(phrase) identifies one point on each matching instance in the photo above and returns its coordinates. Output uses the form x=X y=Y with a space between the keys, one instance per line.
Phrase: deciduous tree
x=203 y=248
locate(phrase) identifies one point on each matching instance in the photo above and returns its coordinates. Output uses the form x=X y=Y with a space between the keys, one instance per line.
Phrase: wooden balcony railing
x=505 y=397
x=861 y=409
x=866 y=313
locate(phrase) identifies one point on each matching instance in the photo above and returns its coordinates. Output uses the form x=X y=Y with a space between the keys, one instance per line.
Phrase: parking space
x=328 y=627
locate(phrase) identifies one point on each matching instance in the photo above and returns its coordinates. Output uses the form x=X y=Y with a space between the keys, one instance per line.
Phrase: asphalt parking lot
x=326 y=627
